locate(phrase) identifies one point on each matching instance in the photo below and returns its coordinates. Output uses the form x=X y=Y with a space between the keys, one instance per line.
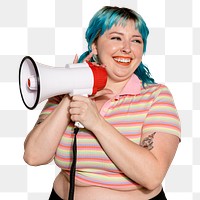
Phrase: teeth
x=123 y=60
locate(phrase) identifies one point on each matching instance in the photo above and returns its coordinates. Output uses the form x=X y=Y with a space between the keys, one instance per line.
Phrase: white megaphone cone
x=38 y=82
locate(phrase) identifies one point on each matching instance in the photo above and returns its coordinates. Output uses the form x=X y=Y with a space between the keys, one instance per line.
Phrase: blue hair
x=104 y=19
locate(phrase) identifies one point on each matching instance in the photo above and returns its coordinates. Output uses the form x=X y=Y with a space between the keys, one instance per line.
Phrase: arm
x=146 y=166
x=41 y=143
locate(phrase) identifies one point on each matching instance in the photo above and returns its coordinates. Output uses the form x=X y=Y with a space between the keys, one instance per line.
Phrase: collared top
x=133 y=87
x=135 y=111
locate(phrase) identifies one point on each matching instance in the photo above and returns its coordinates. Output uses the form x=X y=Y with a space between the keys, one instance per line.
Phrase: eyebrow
x=119 y=33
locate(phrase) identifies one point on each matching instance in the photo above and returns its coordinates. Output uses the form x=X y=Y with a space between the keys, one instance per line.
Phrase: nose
x=126 y=48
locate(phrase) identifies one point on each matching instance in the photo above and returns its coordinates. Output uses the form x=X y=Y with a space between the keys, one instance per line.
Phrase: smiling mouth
x=122 y=60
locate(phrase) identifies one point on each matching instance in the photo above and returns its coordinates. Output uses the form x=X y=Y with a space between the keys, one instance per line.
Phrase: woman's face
x=120 y=49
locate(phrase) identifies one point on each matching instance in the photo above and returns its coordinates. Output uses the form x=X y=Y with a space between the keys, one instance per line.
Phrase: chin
x=119 y=78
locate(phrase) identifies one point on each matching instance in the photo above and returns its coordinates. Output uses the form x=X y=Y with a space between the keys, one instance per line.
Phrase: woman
x=132 y=129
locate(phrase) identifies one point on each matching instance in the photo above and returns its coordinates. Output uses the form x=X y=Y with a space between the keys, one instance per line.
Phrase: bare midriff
x=84 y=191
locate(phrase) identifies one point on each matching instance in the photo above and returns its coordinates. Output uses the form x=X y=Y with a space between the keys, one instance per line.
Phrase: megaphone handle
x=78 y=124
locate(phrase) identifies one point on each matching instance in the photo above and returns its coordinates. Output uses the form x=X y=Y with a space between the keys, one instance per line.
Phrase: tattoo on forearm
x=148 y=141
x=39 y=121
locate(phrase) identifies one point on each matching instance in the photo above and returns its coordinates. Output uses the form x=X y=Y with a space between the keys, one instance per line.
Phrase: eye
x=116 y=38
x=137 y=41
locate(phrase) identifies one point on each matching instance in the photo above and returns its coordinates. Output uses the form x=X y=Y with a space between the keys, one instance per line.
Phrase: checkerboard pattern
x=52 y=32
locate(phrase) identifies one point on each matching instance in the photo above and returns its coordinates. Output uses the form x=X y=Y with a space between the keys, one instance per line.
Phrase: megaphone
x=38 y=82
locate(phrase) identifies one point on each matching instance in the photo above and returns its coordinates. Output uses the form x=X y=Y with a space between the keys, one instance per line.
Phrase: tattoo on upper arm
x=148 y=141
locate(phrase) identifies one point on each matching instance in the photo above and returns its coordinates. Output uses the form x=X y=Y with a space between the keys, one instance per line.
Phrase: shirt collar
x=132 y=87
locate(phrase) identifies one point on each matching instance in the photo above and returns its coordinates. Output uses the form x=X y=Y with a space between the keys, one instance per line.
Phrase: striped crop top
x=135 y=111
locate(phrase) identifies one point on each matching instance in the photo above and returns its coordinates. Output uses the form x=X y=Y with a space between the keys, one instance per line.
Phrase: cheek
x=107 y=48
x=105 y=52
x=138 y=52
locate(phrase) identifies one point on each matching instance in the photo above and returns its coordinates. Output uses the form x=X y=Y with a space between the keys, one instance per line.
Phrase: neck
x=115 y=86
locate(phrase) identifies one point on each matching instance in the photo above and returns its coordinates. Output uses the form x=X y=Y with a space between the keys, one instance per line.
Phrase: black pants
x=54 y=196
x=160 y=196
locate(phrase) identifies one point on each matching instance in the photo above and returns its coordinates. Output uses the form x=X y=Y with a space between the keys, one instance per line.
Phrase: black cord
x=73 y=167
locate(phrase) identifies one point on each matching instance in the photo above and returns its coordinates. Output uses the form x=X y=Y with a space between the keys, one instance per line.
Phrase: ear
x=94 y=48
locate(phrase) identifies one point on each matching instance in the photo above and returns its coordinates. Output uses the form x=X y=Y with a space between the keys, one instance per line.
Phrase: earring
x=95 y=58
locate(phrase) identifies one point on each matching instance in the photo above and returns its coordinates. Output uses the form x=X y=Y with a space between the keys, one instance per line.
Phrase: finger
x=79 y=98
x=102 y=92
x=75 y=118
x=87 y=58
x=102 y=65
x=98 y=65
x=75 y=59
x=75 y=104
x=74 y=111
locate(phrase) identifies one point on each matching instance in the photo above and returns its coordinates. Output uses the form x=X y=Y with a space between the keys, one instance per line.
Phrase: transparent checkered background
x=52 y=32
